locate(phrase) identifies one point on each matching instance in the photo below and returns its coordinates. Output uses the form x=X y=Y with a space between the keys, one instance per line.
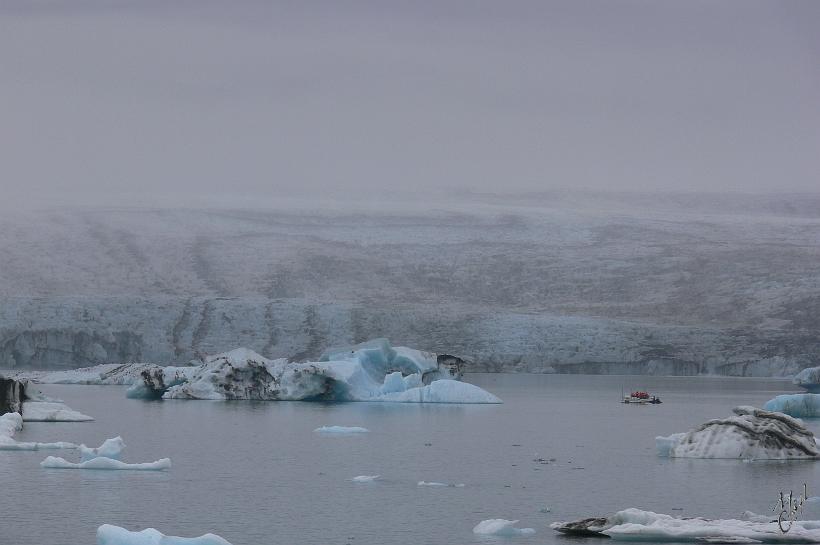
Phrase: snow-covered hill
x=562 y=282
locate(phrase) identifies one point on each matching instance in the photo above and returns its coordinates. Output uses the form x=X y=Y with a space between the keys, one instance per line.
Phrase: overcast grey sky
x=138 y=101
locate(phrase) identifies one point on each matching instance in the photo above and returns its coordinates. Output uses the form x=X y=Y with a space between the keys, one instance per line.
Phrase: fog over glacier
x=563 y=186
x=560 y=281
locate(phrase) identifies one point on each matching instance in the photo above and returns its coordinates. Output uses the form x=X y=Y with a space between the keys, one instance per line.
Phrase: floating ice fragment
x=501 y=527
x=341 y=430
x=434 y=483
x=796 y=405
x=111 y=448
x=11 y=423
x=365 y=478
x=53 y=462
x=43 y=411
x=114 y=535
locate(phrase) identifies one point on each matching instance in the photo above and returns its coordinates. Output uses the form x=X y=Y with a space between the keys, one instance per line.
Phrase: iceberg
x=108 y=534
x=809 y=379
x=54 y=462
x=106 y=456
x=11 y=423
x=437 y=484
x=750 y=434
x=501 y=527
x=796 y=405
x=638 y=525
x=111 y=448
x=43 y=411
x=371 y=371
x=365 y=478
x=341 y=430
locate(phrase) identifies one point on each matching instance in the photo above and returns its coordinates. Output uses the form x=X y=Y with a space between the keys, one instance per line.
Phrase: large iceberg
x=639 y=525
x=809 y=379
x=10 y=424
x=372 y=371
x=108 y=534
x=796 y=405
x=749 y=434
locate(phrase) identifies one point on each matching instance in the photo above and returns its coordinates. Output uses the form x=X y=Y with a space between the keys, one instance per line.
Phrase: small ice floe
x=54 y=462
x=639 y=525
x=114 y=535
x=341 y=430
x=809 y=379
x=106 y=456
x=501 y=527
x=44 y=411
x=365 y=478
x=748 y=434
x=434 y=483
x=796 y=405
x=11 y=423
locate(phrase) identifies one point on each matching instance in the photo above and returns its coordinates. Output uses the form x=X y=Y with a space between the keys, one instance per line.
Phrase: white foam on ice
x=108 y=534
x=341 y=430
x=796 y=405
x=749 y=434
x=10 y=424
x=42 y=411
x=501 y=527
x=365 y=478
x=54 y=462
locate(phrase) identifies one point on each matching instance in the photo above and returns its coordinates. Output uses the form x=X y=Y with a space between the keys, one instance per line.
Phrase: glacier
x=796 y=405
x=750 y=433
x=11 y=423
x=502 y=528
x=108 y=534
x=639 y=525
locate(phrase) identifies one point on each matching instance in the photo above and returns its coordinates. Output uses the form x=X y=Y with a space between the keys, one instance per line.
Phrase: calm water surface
x=256 y=474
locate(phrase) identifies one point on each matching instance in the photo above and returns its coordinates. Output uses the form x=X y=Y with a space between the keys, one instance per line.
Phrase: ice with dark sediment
x=750 y=433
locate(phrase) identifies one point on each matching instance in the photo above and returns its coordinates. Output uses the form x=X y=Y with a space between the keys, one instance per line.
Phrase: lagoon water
x=256 y=473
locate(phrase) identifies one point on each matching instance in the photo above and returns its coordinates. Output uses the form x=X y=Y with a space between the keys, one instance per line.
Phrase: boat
x=641 y=398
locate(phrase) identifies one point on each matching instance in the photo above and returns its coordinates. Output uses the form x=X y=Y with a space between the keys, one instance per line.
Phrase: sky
x=121 y=101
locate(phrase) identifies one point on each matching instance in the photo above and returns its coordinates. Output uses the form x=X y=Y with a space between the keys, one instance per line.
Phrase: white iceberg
x=106 y=456
x=438 y=484
x=809 y=379
x=638 y=525
x=111 y=448
x=11 y=423
x=501 y=527
x=372 y=371
x=796 y=405
x=341 y=430
x=365 y=478
x=43 y=411
x=751 y=434
x=108 y=534
x=54 y=462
